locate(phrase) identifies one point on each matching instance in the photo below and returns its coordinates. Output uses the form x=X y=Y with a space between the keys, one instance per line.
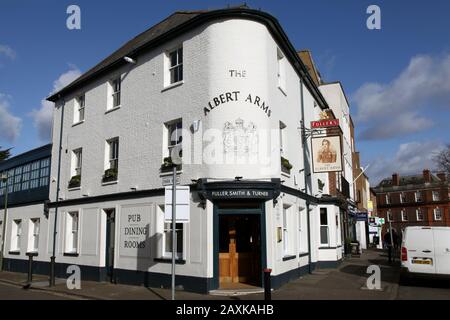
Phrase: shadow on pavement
x=426 y=283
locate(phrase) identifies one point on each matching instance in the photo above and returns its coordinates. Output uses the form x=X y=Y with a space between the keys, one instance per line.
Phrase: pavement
x=347 y=282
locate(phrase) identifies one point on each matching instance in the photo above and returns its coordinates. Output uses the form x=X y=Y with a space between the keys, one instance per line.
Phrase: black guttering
x=242 y=13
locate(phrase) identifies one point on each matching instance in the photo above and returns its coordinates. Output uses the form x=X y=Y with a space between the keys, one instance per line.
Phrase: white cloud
x=7 y=51
x=43 y=117
x=10 y=125
x=410 y=158
x=398 y=108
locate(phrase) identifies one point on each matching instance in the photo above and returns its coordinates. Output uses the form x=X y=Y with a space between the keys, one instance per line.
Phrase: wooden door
x=239 y=256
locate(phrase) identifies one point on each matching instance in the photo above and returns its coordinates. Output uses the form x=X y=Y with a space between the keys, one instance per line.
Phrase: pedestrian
x=388 y=243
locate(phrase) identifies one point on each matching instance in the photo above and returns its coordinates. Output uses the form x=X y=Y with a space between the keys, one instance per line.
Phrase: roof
x=180 y=22
x=408 y=180
x=26 y=157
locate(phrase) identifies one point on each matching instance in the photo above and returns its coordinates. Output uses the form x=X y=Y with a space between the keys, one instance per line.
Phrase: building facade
x=416 y=200
x=228 y=89
x=28 y=180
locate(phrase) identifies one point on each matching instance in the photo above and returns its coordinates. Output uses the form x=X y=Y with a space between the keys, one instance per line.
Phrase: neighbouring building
x=28 y=180
x=228 y=89
x=414 y=200
x=362 y=196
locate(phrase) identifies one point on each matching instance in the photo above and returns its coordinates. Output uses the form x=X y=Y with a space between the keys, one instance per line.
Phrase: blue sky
x=397 y=78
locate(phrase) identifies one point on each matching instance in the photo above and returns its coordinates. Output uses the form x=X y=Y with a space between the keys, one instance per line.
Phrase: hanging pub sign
x=327 y=154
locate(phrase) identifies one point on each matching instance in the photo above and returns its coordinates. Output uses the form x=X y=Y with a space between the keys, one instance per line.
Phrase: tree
x=4 y=154
x=442 y=160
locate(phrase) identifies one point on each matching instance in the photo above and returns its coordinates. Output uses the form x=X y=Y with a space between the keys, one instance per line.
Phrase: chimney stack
x=441 y=176
x=427 y=175
x=395 y=179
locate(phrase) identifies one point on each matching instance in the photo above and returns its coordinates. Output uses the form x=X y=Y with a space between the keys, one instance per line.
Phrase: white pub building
x=229 y=89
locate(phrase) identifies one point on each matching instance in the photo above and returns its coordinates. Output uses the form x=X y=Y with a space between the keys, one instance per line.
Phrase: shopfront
x=239 y=230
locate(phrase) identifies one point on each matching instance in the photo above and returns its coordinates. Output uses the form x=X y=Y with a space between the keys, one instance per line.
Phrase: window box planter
x=75 y=182
x=285 y=166
x=110 y=175
x=167 y=166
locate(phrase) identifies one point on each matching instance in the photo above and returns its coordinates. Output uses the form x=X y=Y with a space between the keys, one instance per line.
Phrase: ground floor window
x=72 y=226
x=34 y=235
x=16 y=234
x=437 y=214
x=324 y=230
x=168 y=239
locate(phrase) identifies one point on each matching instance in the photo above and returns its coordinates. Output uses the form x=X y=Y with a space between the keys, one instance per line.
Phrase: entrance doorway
x=110 y=241
x=239 y=250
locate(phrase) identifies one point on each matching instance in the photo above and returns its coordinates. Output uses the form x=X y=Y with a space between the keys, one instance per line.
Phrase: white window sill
x=77 y=123
x=173 y=85
x=285 y=174
x=112 y=109
x=74 y=189
x=282 y=90
x=110 y=183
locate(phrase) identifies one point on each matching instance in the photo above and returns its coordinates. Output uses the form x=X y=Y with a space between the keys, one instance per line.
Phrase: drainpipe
x=53 y=257
x=305 y=164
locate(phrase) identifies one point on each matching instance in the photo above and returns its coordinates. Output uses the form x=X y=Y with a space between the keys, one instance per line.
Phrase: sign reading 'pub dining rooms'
x=135 y=230
x=235 y=96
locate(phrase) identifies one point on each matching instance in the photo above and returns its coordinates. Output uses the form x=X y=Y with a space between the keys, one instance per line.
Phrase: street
x=348 y=282
x=12 y=292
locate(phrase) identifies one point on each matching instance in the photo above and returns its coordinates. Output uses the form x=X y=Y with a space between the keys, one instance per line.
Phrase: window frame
x=77 y=164
x=34 y=231
x=327 y=243
x=435 y=210
x=16 y=235
x=404 y=215
x=175 y=68
x=436 y=198
x=281 y=71
x=113 y=153
x=72 y=234
x=419 y=212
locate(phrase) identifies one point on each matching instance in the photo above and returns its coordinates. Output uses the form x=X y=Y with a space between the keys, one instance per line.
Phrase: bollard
x=267 y=285
x=30 y=268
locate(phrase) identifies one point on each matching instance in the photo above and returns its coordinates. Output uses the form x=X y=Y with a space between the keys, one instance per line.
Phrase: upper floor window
x=437 y=214
x=176 y=65
x=404 y=215
x=111 y=160
x=286 y=234
x=436 y=196
x=388 y=198
x=402 y=197
x=419 y=214
x=77 y=156
x=173 y=138
x=79 y=109
x=28 y=176
x=281 y=70
x=282 y=138
x=114 y=93
x=418 y=196
x=389 y=215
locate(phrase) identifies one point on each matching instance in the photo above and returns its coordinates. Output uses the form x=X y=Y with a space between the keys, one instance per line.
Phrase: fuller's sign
x=325 y=123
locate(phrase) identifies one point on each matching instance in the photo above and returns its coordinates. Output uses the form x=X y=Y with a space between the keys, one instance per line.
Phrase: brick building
x=416 y=200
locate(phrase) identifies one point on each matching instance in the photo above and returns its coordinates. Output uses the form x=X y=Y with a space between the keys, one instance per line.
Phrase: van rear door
x=419 y=244
x=442 y=249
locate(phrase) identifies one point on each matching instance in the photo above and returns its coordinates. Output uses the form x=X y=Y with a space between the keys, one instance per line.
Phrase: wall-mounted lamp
x=129 y=60
x=195 y=126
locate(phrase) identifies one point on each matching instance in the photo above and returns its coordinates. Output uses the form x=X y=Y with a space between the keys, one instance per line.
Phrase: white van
x=426 y=251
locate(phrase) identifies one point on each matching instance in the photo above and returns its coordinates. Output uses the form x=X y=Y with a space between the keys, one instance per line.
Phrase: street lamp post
x=5 y=215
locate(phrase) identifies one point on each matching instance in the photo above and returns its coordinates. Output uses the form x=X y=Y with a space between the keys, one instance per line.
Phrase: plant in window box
x=110 y=175
x=167 y=165
x=75 y=181
x=285 y=165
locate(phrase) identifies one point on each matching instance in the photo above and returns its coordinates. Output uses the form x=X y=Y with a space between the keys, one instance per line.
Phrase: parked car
x=425 y=252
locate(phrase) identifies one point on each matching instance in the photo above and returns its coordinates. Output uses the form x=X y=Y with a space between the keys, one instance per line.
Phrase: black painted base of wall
x=151 y=279
x=121 y=276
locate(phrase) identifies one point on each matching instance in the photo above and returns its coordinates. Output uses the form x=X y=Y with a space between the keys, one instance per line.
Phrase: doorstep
x=235 y=292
